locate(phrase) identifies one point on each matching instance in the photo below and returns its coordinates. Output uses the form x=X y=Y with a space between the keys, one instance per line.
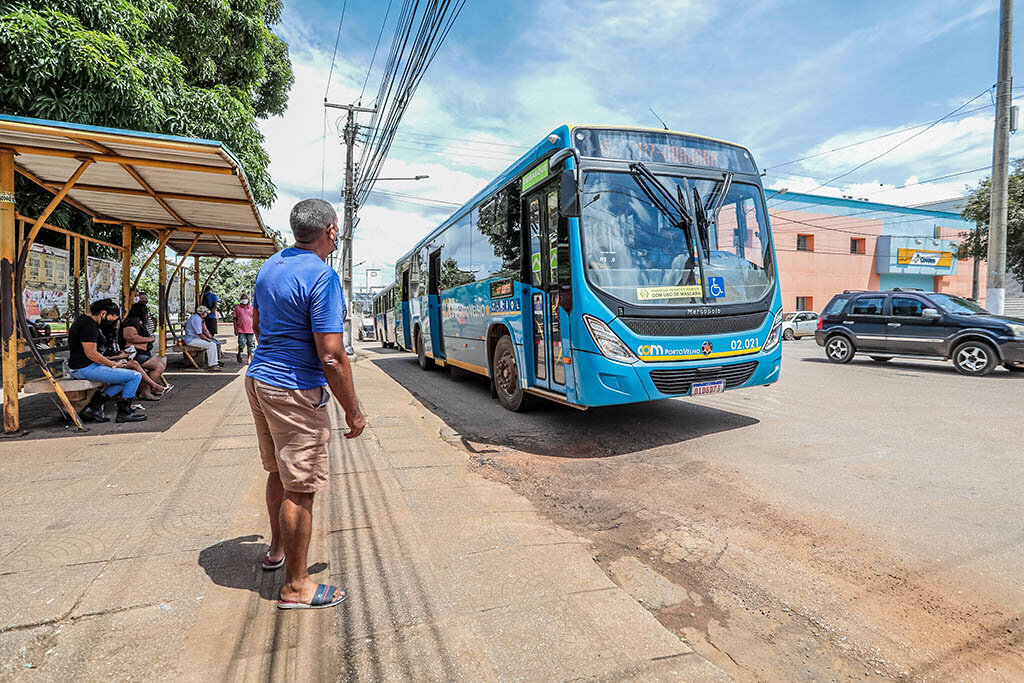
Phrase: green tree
x=197 y=68
x=975 y=242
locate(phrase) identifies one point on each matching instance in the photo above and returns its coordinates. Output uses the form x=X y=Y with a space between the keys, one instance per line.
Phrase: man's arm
x=330 y=346
x=256 y=323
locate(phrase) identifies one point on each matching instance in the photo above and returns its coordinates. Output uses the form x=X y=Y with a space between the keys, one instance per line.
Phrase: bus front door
x=545 y=321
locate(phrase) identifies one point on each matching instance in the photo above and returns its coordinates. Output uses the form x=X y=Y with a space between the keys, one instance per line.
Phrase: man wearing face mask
x=298 y=319
x=243 y=329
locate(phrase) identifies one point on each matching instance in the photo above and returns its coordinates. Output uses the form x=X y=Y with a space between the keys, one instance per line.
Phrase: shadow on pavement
x=928 y=366
x=552 y=429
x=40 y=417
x=235 y=563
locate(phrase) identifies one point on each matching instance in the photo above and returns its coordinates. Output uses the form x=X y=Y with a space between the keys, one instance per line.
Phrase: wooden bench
x=194 y=355
x=79 y=391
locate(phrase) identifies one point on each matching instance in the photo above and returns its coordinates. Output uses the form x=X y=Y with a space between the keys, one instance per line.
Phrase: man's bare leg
x=275 y=494
x=296 y=528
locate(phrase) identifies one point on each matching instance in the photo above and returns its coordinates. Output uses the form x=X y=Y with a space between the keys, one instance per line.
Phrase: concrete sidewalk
x=135 y=556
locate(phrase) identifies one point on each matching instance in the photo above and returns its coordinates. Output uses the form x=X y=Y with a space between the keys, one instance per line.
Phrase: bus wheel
x=421 y=354
x=505 y=372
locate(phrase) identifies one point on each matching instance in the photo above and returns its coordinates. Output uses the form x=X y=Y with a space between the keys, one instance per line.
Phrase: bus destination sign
x=666 y=148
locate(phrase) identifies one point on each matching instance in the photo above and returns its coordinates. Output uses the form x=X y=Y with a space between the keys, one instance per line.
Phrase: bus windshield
x=639 y=255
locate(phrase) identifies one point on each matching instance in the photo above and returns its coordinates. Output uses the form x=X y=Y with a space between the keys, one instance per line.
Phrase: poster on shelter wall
x=46 y=283
x=104 y=279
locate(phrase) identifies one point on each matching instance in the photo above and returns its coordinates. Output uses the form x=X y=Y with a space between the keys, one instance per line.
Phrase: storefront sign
x=923 y=257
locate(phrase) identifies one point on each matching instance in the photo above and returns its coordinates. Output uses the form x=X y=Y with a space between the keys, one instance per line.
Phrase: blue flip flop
x=325 y=596
x=271 y=566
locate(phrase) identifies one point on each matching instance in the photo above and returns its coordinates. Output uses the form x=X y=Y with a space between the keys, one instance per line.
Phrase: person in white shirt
x=196 y=335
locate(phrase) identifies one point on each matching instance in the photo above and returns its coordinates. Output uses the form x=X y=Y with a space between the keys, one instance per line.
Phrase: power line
x=415 y=198
x=337 y=39
x=477 y=142
x=374 y=57
x=900 y=143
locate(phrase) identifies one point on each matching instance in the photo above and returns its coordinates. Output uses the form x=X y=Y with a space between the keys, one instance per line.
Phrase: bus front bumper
x=601 y=381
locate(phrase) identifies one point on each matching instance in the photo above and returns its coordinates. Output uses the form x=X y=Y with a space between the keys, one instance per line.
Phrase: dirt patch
x=768 y=593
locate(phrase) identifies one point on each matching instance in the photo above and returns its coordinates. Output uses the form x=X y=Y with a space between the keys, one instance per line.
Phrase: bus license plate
x=704 y=388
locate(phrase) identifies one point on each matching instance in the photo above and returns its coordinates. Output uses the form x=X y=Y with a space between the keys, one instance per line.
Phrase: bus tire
x=421 y=354
x=505 y=371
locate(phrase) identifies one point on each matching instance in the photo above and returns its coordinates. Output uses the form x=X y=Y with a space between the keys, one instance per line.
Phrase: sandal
x=269 y=566
x=325 y=596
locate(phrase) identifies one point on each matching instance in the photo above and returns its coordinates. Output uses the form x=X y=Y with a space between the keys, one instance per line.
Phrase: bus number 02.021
x=743 y=344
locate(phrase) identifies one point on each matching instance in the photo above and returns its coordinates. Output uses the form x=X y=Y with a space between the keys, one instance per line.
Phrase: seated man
x=135 y=331
x=196 y=335
x=86 y=362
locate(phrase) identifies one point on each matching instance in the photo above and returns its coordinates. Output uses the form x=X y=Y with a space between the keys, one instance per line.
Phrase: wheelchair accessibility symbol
x=716 y=286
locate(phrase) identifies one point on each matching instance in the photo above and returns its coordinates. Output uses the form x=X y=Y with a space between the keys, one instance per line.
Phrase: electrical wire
x=898 y=144
x=334 y=56
x=383 y=24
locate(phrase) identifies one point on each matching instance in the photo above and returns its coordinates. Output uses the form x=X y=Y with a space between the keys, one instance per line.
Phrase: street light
x=419 y=177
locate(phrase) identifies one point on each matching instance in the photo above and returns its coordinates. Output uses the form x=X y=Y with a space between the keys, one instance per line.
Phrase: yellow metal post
x=195 y=273
x=7 y=293
x=162 y=301
x=126 y=267
x=76 y=260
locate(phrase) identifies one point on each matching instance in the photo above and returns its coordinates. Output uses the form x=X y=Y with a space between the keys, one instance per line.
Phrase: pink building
x=825 y=245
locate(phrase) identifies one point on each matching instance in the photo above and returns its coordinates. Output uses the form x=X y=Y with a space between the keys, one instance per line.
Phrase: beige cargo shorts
x=294 y=430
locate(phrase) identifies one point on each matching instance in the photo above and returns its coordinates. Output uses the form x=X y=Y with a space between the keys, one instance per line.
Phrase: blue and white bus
x=608 y=265
x=384 y=307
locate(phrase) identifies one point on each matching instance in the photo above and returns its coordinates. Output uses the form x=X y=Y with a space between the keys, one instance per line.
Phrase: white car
x=799 y=324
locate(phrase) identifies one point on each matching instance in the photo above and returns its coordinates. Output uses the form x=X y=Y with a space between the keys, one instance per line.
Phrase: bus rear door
x=545 y=321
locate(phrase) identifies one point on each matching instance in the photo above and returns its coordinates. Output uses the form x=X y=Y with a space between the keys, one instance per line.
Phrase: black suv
x=920 y=325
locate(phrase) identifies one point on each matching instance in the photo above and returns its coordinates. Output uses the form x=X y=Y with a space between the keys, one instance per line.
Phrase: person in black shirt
x=135 y=331
x=86 y=362
x=149 y=390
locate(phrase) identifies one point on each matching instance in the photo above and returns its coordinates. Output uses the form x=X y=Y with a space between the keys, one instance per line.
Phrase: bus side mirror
x=570 y=204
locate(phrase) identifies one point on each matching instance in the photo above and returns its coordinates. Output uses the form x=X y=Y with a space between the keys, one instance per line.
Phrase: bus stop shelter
x=187 y=194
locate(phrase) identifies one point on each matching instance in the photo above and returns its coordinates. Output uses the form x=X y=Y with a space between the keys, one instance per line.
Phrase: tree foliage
x=196 y=68
x=975 y=243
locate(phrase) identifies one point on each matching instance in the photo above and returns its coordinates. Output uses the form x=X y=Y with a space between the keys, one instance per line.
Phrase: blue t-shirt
x=296 y=295
x=210 y=300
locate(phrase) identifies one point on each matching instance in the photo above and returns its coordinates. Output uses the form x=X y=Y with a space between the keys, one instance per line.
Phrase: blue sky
x=786 y=79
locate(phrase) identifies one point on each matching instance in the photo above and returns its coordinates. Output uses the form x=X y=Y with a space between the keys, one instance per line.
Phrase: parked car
x=917 y=324
x=799 y=324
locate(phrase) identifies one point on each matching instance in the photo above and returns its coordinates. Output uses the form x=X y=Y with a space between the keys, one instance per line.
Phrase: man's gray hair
x=309 y=218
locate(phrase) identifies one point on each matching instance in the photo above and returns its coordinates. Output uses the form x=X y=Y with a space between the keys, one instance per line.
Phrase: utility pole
x=995 y=293
x=350 y=210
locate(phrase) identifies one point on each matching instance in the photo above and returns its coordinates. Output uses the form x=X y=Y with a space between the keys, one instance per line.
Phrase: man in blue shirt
x=298 y=319
x=210 y=300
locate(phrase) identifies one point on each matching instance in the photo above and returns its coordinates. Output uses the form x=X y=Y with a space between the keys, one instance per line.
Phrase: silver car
x=799 y=324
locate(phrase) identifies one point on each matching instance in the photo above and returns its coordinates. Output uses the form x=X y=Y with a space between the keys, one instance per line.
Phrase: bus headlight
x=776 y=333
x=607 y=341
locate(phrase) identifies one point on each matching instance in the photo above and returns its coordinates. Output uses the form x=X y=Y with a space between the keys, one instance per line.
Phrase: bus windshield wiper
x=671 y=207
x=705 y=216
x=662 y=198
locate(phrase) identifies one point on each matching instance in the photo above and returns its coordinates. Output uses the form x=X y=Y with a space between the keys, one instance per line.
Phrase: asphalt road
x=864 y=519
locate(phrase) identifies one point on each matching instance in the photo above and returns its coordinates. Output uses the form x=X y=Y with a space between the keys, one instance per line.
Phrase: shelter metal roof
x=152 y=182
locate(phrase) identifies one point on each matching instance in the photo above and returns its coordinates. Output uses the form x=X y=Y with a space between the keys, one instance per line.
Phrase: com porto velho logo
x=651 y=350
x=706 y=348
